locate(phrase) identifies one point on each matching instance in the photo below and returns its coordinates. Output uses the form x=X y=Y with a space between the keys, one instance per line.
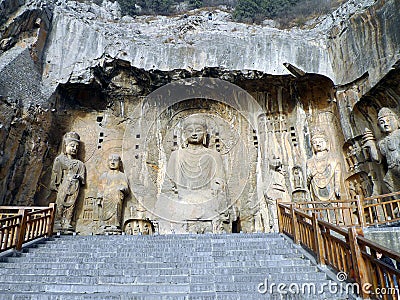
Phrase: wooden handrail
x=382 y=196
x=344 y=250
x=26 y=224
x=340 y=212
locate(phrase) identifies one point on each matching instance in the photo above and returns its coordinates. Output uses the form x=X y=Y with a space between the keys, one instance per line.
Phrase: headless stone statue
x=195 y=180
x=67 y=176
x=113 y=186
x=323 y=170
x=389 y=147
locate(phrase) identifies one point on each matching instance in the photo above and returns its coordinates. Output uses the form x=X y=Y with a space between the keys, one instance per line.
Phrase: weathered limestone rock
x=72 y=66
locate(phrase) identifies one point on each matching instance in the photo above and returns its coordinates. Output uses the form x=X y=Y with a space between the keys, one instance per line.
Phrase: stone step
x=150 y=288
x=155 y=265
x=226 y=266
x=207 y=236
x=147 y=272
x=151 y=248
x=133 y=260
x=163 y=279
x=191 y=296
x=156 y=253
x=154 y=246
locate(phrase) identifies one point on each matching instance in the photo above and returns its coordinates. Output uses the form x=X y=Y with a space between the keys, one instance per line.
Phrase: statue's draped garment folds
x=195 y=186
x=388 y=145
x=68 y=174
x=324 y=176
x=323 y=170
x=113 y=186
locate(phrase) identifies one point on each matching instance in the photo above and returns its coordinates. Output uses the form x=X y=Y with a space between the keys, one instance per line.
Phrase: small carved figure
x=389 y=147
x=113 y=186
x=146 y=229
x=351 y=158
x=67 y=176
x=298 y=178
x=323 y=170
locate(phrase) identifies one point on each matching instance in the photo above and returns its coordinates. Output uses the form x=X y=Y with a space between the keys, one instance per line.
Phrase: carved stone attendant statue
x=195 y=179
x=389 y=147
x=323 y=170
x=67 y=176
x=275 y=189
x=113 y=186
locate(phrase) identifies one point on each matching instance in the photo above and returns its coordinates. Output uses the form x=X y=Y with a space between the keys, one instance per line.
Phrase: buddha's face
x=388 y=124
x=319 y=144
x=195 y=133
x=113 y=162
x=71 y=148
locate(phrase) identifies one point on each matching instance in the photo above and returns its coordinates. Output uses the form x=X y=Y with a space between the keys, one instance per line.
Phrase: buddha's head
x=195 y=130
x=114 y=161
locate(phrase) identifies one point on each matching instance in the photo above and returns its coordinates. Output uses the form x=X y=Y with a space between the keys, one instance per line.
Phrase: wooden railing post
x=360 y=208
x=319 y=246
x=52 y=219
x=21 y=229
x=280 y=218
x=360 y=270
x=295 y=225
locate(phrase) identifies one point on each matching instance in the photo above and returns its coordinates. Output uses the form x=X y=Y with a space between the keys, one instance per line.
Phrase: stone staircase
x=225 y=266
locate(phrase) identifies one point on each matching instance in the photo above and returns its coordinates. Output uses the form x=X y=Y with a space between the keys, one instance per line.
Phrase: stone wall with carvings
x=55 y=80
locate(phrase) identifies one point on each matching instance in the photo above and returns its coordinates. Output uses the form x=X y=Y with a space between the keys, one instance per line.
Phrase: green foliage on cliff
x=286 y=12
x=128 y=7
x=195 y=3
x=257 y=10
x=134 y=7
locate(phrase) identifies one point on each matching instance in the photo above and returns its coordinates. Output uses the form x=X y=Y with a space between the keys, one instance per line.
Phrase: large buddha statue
x=195 y=184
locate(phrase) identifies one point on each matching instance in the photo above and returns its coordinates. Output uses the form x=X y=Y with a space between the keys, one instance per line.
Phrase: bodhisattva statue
x=323 y=170
x=274 y=190
x=113 y=187
x=67 y=176
x=196 y=178
x=389 y=147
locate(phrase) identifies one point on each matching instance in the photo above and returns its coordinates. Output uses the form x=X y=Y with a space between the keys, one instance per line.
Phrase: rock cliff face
x=72 y=66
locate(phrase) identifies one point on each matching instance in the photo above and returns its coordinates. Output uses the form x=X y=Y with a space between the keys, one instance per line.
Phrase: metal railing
x=19 y=225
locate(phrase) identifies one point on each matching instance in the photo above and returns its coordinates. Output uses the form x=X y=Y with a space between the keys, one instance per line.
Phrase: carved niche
x=192 y=189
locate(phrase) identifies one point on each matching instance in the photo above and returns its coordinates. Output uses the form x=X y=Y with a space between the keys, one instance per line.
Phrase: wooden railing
x=343 y=250
x=364 y=212
x=381 y=209
x=19 y=225
x=334 y=247
x=343 y=213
